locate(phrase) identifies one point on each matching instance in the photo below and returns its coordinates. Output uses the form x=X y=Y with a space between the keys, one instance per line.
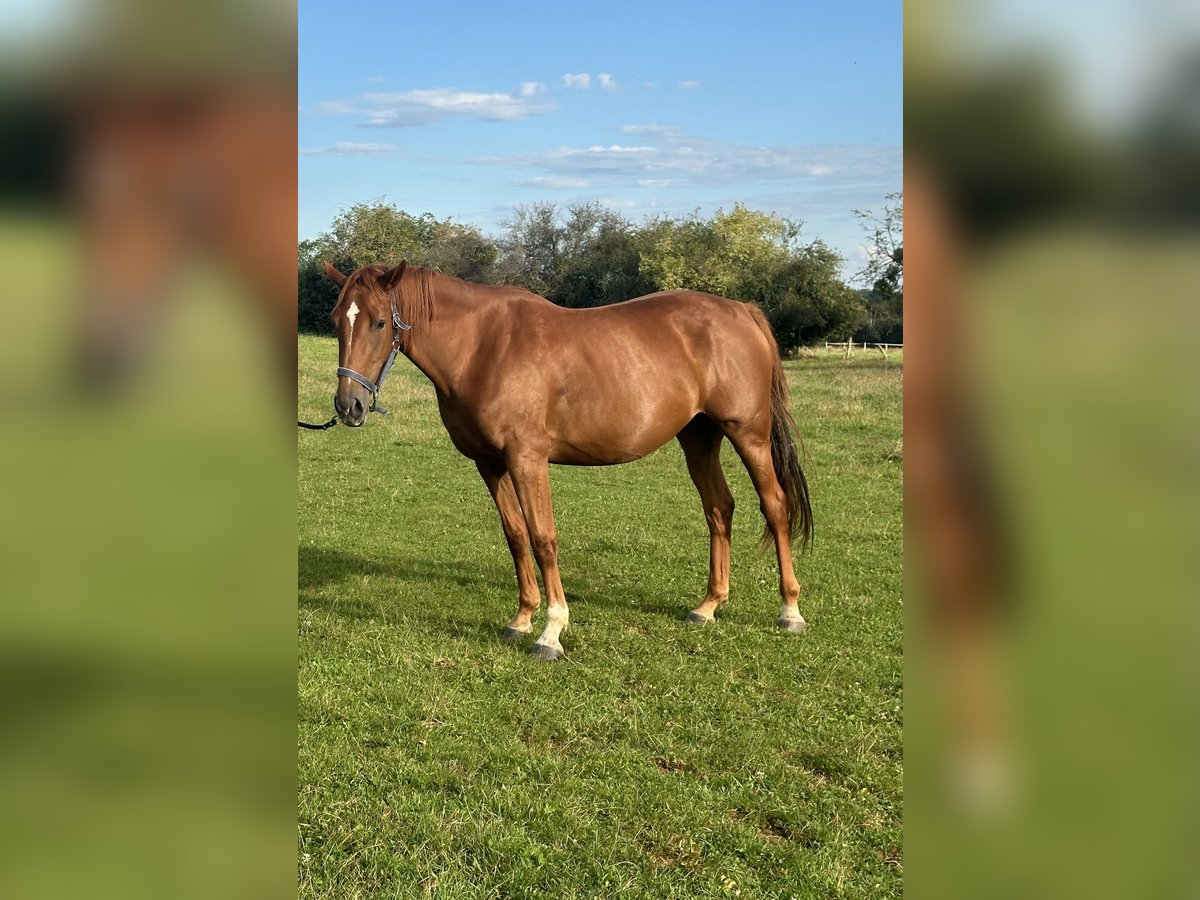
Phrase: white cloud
x=334 y=108
x=555 y=182
x=351 y=148
x=617 y=148
x=583 y=81
x=690 y=85
x=401 y=109
x=376 y=79
x=607 y=82
x=664 y=131
x=667 y=157
x=422 y=107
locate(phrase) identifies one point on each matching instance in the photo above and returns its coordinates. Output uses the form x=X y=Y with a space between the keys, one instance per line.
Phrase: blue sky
x=467 y=109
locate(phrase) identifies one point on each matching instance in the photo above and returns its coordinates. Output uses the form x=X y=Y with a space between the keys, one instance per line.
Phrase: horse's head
x=368 y=329
x=128 y=179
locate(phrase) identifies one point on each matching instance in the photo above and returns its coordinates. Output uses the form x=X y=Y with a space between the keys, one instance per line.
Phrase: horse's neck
x=439 y=347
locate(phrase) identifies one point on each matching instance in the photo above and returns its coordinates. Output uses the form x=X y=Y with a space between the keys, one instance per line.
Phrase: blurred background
x=147 y=233
x=1052 y=188
x=147 y=649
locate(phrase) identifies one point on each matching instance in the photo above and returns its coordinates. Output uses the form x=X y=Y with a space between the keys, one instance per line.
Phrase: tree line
x=589 y=255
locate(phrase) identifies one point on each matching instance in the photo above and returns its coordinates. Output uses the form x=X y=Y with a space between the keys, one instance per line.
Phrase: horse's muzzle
x=350 y=409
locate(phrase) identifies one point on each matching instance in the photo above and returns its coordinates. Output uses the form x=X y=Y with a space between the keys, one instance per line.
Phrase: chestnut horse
x=522 y=383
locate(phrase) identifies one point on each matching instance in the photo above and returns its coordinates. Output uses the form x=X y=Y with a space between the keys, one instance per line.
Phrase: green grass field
x=656 y=760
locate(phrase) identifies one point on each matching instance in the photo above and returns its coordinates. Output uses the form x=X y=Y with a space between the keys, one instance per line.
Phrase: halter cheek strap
x=375 y=387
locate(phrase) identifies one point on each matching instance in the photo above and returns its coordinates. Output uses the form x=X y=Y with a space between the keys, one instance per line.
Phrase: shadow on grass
x=322 y=572
x=635 y=600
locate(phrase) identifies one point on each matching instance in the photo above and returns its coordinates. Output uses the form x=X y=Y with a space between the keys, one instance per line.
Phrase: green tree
x=884 y=272
x=462 y=251
x=381 y=233
x=600 y=263
x=376 y=232
x=530 y=247
x=808 y=301
x=755 y=256
x=587 y=255
x=316 y=293
x=720 y=255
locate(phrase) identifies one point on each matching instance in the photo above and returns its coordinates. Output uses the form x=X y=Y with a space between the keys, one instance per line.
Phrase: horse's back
x=690 y=316
x=622 y=380
x=720 y=336
x=672 y=332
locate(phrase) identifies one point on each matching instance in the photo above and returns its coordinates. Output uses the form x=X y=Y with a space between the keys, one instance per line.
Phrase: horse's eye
x=380 y=323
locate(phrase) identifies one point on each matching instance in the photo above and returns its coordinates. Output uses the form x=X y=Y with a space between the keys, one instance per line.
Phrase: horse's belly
x=615 y=439
x=593 y=455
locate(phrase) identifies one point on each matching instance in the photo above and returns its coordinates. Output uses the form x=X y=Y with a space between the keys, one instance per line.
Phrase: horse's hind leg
x=701 y=443
x=500 y=486
x=755 y=451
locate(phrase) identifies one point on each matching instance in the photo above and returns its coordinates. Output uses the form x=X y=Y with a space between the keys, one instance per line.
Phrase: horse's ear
x=391 y=277
x=333 y=274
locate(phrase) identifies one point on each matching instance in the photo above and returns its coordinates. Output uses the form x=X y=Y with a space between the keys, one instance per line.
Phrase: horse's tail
x=783 y=446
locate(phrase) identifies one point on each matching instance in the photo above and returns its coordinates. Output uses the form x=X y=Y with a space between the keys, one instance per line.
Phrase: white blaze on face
x=351 y=315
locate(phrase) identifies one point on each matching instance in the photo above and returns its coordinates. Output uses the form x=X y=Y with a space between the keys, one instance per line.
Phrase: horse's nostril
x=356 y=408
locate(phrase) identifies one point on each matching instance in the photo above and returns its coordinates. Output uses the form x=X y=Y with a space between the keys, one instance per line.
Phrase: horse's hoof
x=695 y=618
x=546 y=652
x=792 y=626
x=512 y=635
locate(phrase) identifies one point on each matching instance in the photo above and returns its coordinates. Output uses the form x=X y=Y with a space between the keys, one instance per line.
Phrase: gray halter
x=375 y=387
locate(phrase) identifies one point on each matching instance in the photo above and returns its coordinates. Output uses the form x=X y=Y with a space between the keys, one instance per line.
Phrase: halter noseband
x=375 y=387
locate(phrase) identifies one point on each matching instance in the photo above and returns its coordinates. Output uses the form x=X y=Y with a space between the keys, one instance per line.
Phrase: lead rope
x=328 y=424
x=398 y=325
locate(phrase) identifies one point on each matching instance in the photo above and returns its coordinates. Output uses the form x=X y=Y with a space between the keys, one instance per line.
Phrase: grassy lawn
x=655 y=760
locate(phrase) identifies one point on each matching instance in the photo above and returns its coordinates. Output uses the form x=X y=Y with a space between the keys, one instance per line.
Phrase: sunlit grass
x=656 y=760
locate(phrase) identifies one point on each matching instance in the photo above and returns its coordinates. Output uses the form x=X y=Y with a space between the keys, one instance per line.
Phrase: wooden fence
x=850 y=346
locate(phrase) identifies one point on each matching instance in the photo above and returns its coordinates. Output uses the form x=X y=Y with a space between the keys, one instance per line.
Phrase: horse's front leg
x=531 y=479
x=500 y=486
